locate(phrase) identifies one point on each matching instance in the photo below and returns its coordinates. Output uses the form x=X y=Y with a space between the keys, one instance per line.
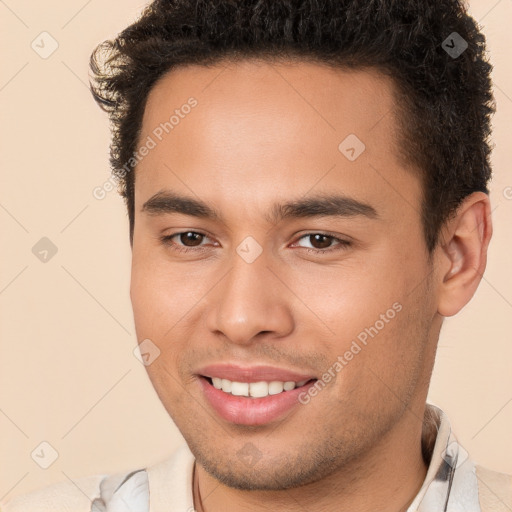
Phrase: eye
x=318 y=243
x=185 y=241
x=322 y=243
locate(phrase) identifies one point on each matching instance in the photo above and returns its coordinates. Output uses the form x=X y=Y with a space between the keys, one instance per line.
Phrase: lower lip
x=251 y=411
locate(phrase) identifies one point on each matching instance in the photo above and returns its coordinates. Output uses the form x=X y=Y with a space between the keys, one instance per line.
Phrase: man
x=306 y=186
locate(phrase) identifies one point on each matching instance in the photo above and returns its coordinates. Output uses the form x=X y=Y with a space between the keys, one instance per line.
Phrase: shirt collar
x=450 y=484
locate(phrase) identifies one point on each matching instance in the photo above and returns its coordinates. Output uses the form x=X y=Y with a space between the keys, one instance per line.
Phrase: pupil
x=190 y=236
x=321 y=240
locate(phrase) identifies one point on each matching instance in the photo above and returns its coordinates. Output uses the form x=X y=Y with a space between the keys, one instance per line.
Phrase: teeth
x=275 y=387
x=288 y=386
x=258 y=389
x=226 y=385
x=255 y=389
x=240 y=388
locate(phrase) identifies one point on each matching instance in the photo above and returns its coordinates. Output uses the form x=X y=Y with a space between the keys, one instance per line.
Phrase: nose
x=250 y=300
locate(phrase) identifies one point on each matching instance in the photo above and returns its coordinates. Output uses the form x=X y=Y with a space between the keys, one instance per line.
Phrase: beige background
x=68 y=375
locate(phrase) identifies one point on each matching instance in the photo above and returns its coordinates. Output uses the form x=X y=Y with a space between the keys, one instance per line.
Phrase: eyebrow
x=322 y=205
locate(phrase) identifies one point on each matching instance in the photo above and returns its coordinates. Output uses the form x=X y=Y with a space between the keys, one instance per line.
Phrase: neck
x=386 y=479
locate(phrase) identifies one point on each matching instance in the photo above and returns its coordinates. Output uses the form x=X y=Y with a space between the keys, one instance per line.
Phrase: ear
x=463 y=253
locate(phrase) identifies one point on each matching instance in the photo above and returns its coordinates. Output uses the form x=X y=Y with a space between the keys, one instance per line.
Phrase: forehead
x=256 y=123
x=333 y=99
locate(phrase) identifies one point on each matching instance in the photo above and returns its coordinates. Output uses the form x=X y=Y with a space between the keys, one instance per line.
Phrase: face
x=278 y=253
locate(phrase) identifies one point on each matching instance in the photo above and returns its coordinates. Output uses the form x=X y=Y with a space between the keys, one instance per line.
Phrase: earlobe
x=463 y=253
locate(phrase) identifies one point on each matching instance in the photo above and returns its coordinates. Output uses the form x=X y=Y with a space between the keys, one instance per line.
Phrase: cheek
x=157 y=294
x=391 y=347
x=156 y=314
x=350 y=297
x=166 y=300
x=157 y=311
x=375 y=313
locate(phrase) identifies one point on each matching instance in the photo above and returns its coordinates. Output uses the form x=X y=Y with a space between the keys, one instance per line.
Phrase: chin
x=267 y=473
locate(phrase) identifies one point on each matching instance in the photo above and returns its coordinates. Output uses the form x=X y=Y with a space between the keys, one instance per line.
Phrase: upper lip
x=238 y=373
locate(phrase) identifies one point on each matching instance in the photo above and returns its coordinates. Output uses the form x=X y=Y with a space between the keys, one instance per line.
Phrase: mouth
x=260 y=389
x=252 y=397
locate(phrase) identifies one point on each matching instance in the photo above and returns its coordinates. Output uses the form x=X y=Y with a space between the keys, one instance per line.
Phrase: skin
x=264 y=133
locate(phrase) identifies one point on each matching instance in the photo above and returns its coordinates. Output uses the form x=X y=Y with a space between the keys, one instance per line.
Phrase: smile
x=252 y=395
x=259 y=389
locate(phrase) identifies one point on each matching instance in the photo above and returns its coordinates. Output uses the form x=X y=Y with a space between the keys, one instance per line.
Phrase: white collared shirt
x=451 y=485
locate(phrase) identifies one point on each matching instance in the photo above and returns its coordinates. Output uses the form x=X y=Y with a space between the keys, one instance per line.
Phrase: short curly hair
x=446 y=99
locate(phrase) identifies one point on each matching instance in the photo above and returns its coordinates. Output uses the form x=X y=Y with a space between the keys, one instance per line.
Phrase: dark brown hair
x=433 y=51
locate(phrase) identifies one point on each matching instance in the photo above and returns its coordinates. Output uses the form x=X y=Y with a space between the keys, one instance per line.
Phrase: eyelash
x=341 y=245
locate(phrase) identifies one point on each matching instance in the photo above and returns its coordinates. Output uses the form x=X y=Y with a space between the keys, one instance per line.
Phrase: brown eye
x=187 y=241
x=191 y=238
x=319 y=241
